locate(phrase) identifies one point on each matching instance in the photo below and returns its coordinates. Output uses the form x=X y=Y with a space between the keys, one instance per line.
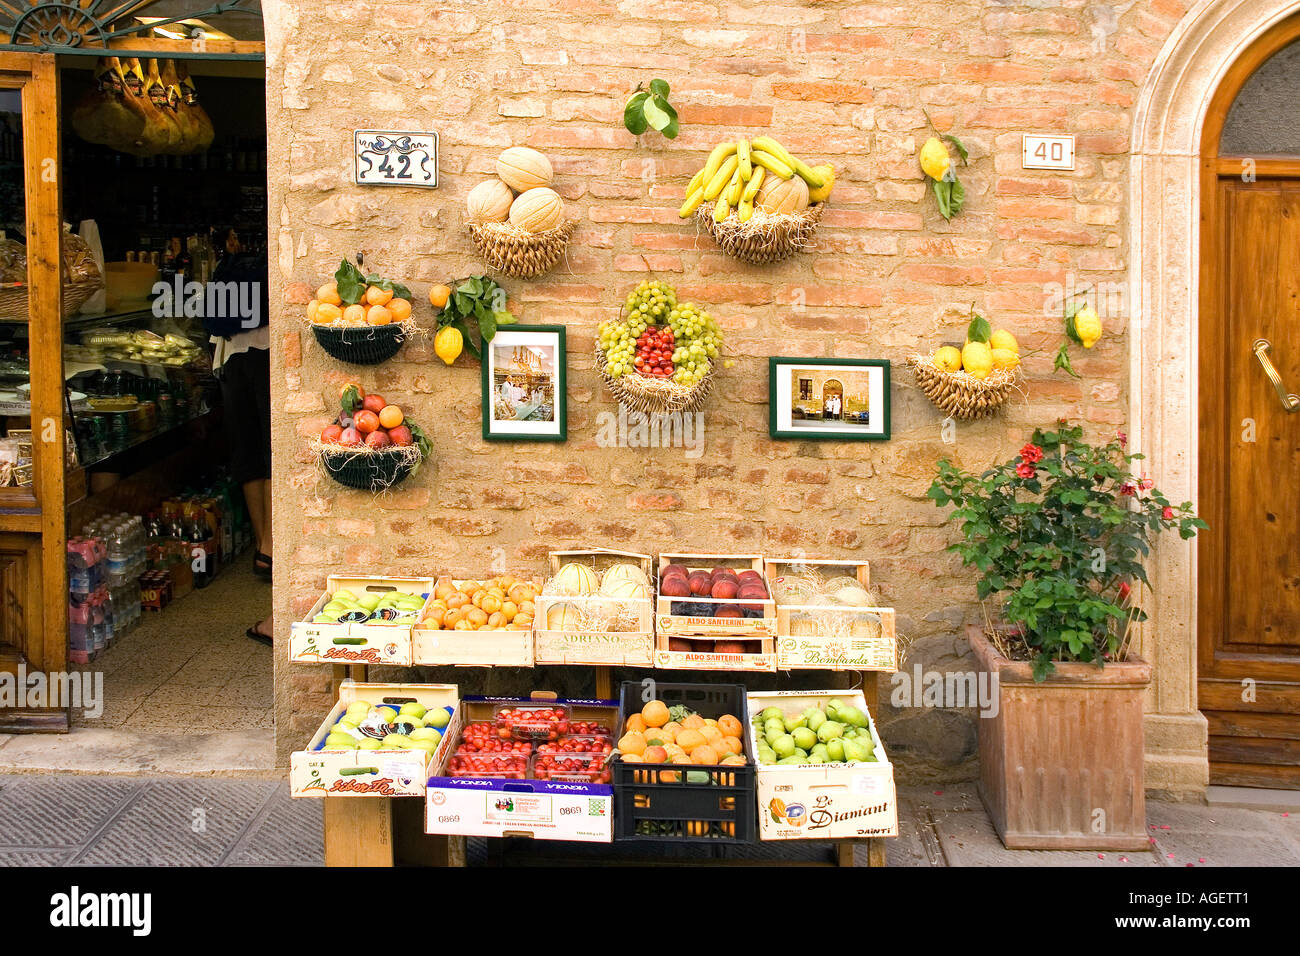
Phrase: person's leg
x=256 y=494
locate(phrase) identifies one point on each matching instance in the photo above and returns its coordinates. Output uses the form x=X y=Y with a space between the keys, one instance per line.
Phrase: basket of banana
x=975 y=380
x=759 y=202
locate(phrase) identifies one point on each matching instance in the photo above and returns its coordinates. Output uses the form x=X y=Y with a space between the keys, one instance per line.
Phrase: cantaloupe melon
x=624 y=572
x=522 y=168
x=782 y=196
x=563 y=617
x=489 y=201
x=537 y=210
x=623 y=589
x=574 y=579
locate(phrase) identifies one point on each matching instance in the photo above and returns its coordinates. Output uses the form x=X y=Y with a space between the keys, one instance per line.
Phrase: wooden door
x=1249 y=678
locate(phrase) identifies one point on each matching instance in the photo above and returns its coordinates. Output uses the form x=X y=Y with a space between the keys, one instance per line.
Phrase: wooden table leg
x=358 y=831
x=875 y=847
x=604 y=684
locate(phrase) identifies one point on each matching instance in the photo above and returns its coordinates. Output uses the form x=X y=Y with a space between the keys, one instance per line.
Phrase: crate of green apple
x=372 y=445
x=378 y=741
x=714 y=612
x=361 y=620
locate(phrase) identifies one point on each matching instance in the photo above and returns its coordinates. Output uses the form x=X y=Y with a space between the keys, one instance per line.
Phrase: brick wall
x=845 y=82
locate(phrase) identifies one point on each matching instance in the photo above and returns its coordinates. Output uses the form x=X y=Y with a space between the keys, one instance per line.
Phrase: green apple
x=437 y=718
x=414 y=709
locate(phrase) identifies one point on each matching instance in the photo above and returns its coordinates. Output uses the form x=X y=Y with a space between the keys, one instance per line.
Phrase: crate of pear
x=834 y=732
x=361 y=620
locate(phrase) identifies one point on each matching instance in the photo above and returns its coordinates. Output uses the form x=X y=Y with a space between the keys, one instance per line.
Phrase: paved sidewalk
x=81 y=820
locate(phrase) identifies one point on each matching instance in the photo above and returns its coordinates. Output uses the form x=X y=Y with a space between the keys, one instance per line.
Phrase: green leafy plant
x=649 y=109
x=476 y=305
x=1059 y=534
x=352 y=283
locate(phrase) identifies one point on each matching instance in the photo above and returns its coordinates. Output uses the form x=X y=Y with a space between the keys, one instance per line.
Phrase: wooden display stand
x=389 y=831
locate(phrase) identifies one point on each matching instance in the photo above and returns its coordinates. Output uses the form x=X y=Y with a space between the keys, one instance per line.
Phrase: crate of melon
x=682 y=771
x=714 y=612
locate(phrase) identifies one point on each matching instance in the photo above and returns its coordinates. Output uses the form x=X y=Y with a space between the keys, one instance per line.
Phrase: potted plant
x=1058 y=535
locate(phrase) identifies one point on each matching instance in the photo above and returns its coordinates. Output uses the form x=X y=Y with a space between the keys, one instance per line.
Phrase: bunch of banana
x=735 y=172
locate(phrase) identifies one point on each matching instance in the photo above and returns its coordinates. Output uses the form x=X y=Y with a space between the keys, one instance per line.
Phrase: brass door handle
x=1290 y=401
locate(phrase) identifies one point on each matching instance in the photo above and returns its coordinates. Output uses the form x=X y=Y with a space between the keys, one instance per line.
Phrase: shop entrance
x=137 y=543
x=1249 y=571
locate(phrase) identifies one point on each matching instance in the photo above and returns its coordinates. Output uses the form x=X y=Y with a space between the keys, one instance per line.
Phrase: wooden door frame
x=1211 y=605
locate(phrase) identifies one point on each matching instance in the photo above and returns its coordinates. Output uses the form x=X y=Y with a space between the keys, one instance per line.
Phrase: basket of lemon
x=974 y=381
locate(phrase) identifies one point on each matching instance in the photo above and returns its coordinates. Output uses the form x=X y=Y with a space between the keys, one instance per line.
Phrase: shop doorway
x=1249 y=444
x=147 y=526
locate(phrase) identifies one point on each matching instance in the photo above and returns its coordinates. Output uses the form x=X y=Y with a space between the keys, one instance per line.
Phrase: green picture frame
x=824 y=406
x=524 y=366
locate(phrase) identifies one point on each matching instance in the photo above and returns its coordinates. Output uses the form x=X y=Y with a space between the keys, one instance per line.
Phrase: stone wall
x=844 y=82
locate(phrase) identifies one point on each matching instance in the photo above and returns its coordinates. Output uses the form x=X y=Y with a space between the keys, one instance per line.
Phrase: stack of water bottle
x=104 y=566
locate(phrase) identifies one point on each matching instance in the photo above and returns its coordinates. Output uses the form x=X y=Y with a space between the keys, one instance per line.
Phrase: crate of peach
x=361 y=319
x=682 y=770
x=829 y=618
x=597 y=607
x=714 y=612
x=479 y=623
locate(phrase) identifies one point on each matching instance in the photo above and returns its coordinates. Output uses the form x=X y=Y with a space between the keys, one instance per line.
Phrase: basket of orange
x=681 y=773
x=361 y=319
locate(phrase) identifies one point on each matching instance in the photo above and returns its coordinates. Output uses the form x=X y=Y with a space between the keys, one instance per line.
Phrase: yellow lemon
x=934 y=158
x=1087 y=326
x=447 y=344
x=947 y=359
x=1005 y=358
x=977 y=359
x=1002 y=339
x=823 y=192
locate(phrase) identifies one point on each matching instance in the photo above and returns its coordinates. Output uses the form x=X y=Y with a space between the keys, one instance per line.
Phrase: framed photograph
x=524 y=384
x=829 y=399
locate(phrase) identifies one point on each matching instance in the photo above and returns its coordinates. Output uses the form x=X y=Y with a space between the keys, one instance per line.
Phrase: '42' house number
x=387 y=158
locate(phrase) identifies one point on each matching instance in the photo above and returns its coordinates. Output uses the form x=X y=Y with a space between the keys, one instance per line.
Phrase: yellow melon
x=522 y=168
x=782 y=196
x=574 y=579
x=563 y=617
x=624 y=572
x=537 y=210
x=623 y=589
x=489 y=202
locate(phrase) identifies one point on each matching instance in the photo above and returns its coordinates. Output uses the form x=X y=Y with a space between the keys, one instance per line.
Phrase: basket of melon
x=517 y=220
x=361 y=319
x=757 y=200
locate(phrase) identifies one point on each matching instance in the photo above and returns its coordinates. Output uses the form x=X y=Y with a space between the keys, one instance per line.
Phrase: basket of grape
x=659 y=355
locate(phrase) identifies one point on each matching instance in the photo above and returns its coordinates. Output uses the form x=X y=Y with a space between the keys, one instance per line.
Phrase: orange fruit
x=390 y=416
x=509 y=609
x=522 y=619
x=632 y=743
x=327 y=313
x=689 y=739
x=496 y=621
x=732 y=745
x=311 y=309
x=378 y=315
x=401 y=309
x=355 y=313
x=728 y=724
x=675 y=751
x=478 y=617
x=655 y=713
x=435 y=616
x=438 y=296
x=667 y=733
x=635 y=722
x=526 y=607
x=329 y=294
x=655 y=754
x=377 y=296
x=450 y=619
x=695 y=722
x=457 y=599
x=704 y=754
x=711 y=734
x=733 y=761
x=632 y=758
x=673 y=727
x=491 y=603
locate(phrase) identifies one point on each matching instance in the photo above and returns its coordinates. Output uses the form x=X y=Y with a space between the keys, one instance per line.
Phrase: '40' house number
x=387 y=158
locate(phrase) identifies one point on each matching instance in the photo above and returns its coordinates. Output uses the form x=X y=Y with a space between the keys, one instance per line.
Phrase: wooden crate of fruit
x=477 y=623
x=840 y=786
x=357 y=628
x=348 y=757
x=697 y=631
x=597 y=608
x=827 y=617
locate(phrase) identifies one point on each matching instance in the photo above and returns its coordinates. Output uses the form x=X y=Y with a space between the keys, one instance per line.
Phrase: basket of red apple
x=372 y=445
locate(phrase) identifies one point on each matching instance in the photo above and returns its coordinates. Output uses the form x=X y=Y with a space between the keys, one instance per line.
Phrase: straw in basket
x=765 y=237
x=961 y=394
x=514 y=252
x=640 y=393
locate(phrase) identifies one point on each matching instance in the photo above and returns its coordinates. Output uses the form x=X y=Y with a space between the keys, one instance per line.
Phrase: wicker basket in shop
x=14 y=304
x=961 y=394
x=764 y=238
x=369 y=471
x=361 y=345
x=640 y=393
x=513 y=252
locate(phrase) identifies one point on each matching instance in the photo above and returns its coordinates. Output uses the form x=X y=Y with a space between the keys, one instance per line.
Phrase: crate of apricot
x=481 y=623
x=714 y=612
x=681 y=769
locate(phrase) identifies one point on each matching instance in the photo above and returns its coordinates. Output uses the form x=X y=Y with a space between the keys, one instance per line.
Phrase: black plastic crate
x=679 y=802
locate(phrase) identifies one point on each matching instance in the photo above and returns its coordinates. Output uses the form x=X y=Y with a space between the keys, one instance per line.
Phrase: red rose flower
x=1168 y=513
x=1031 y=453
x=1026 y=470
x=1128 y=488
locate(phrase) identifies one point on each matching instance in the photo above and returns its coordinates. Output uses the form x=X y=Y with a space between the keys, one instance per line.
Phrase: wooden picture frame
x=818 y=414
x=524 y=366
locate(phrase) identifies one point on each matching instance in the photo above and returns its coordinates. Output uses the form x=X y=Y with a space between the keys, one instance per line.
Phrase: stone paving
x=91 y=820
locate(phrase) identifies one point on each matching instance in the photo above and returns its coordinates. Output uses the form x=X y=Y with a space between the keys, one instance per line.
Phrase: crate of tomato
x=682 y=772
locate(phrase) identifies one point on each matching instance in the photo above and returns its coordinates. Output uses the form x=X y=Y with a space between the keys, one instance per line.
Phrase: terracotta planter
x=1061 y=762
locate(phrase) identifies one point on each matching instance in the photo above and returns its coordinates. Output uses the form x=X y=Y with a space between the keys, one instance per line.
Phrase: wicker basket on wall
x=763 y=238
x=361 y=345
x=513 y=252
x=640 y=393
x=960 y=394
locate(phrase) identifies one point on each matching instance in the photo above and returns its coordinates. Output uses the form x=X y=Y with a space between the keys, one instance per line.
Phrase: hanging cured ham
x=104 y=116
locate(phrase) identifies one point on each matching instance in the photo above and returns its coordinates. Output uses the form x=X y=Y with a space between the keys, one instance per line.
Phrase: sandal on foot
x=261 y=564
x=255 y=635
